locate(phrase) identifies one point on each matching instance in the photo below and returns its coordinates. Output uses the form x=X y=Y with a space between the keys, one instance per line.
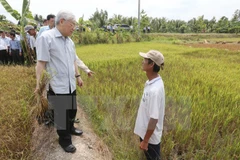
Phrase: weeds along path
x=89 y=146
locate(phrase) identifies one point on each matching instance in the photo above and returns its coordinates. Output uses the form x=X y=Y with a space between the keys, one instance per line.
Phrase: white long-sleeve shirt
x=81 y=65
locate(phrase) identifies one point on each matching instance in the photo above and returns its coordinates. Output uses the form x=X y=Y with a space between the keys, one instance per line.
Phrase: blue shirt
x=15 y=44
x=42 y=29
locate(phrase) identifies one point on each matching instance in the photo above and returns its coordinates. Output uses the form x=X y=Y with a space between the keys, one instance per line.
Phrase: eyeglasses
x=72 y=24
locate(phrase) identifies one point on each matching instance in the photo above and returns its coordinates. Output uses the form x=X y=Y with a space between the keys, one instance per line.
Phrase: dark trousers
x=65 y=109
x=34 y=53
x=16 y=57
x=22 y=59
x=10 y=59
x=153 y=152
x=4 y=56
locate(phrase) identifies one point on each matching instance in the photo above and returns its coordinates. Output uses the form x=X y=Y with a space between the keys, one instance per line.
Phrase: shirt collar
x=153 y=80
x=58 y=34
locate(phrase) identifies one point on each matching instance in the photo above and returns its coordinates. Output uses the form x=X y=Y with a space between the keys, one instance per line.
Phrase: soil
x=89 y=146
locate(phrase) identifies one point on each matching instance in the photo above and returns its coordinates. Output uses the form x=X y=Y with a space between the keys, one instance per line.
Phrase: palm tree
x=99 y=19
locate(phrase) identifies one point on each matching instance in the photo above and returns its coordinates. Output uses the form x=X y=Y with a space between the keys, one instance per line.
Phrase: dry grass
x=42 y=104
x=16 y=92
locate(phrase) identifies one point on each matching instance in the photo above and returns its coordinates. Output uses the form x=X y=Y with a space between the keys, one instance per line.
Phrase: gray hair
x=63 y=14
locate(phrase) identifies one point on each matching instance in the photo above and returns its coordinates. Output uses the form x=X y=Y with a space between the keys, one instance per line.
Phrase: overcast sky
x=170 y=9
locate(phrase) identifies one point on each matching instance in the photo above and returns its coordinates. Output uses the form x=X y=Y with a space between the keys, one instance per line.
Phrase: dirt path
x=89 y=145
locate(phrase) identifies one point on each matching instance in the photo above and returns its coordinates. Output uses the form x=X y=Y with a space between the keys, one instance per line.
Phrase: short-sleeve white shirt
x=6 y=40
x=60 y=55
x=152 y=105
x=32 y=42
x=3 y=45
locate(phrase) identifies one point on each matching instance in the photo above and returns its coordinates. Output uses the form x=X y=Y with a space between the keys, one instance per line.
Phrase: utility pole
x=138 y=17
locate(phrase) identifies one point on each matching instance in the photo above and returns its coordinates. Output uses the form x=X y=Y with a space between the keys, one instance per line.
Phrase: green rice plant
x=202 y=100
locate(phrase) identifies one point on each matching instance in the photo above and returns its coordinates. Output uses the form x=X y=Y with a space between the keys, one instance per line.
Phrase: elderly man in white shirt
x=30 y=33
x=149 y=122
x=51 y=20
x=56 y=53
x=51 y=24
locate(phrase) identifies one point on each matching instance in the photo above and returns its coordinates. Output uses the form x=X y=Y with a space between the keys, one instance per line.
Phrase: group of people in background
x=10 y=48
x=146 y=29
x=11 y=51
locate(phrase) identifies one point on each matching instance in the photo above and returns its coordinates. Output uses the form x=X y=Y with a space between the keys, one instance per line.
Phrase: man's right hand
x=90 y=74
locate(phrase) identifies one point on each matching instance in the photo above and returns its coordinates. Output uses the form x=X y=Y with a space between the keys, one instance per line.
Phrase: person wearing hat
x=29 y=29
x=149 y=121
x=30 y=34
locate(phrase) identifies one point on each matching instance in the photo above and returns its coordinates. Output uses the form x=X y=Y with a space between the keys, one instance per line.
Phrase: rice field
x=202 y=101
x=229 y=46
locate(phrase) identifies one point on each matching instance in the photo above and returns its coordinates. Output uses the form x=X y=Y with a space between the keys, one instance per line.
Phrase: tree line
x=100 y=18
x=163 y=25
